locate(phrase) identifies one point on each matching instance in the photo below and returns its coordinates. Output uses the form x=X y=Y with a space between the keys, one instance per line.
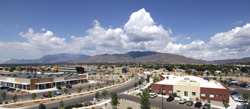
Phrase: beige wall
x=10 y=79
x=189 y=88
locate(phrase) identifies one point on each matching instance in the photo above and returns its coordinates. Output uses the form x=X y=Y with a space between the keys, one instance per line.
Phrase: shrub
x=78 y=105
x=208 y=100
x=174 y=95
x=197 y=98
x=129 y=108
x=69 y=107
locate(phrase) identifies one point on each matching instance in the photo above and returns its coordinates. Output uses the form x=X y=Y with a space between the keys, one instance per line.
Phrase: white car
x=153 y=95
x=182 y=101
x=238 y=97
x=233 y=82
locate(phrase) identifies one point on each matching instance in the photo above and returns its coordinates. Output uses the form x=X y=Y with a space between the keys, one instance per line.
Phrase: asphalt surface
x=86 y=98
x=74 y=89
x=157 y=102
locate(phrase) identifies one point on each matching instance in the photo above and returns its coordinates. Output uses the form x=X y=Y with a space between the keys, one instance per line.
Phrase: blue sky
x=184 y=27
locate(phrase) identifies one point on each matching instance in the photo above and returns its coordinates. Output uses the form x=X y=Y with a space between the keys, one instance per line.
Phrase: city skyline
x=210 y=30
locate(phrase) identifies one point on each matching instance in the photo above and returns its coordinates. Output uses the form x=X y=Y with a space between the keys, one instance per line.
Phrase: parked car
x=182 y=101
x=189 y=103
x=243 y=84
x=68 y=86
x=153 y=95
x=59 y=87
x=198 y=104
x=11 y=89
x=237 y=84
x=170 y=98
x=206 y=106
x=233 y=92
x=45 y=95
x=57 y=93
x=233 y=81
x=238 y=97
x=4 y=87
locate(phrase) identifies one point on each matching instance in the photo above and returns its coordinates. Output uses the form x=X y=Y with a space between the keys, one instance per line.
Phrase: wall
x=215 y=91
x=18 y=80
x=159 y=86
x=59 y=79
x=39 y=80
x=189 y=88
x=82 y=76
x=10 y=79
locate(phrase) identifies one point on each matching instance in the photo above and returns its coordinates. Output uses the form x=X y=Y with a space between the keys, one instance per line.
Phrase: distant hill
x=56 y=58
x=233 y=61
x=141 y=57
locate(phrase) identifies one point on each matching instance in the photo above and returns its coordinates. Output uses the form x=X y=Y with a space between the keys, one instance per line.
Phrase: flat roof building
x=30 y=81
x=191 y=87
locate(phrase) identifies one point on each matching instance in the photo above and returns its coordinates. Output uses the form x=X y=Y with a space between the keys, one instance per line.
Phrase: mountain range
x=56 y=58
x=130 y=57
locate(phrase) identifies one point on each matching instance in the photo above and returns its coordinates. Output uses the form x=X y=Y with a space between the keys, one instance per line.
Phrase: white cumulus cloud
x=140 y=33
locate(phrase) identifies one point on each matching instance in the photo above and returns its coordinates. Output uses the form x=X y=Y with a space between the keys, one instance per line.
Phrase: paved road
x=89 y=97
x=157 y=102
x=74 y=89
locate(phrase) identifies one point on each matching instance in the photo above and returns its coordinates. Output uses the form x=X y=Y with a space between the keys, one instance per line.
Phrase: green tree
x=107 y=83
x=104 y=93
x=114 y=99
x=98 y=84
x=81 y=99
x=139 y=83
x=129 y=108
x=65 y=91
x=135 y=84
x=89 y=87
x=132 y=76
x=79 y=89
x=148 y=78
x=61 y=103
x=41 y=106
x=20 y=86
x=225 y=103
x=14 y=98
x=4 y=95
x=144 y=101
x=49 y=94
x=33 y=96
x=97 y=95
x=246 y=96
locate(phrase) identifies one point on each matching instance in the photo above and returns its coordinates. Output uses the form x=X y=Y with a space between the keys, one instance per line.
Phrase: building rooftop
x=190 y=80
x=29 y=75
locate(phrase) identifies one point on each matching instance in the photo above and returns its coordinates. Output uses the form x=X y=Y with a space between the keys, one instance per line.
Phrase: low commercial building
x=191 y=87
x=135 y=70
x=79 y=70
x=30 y=81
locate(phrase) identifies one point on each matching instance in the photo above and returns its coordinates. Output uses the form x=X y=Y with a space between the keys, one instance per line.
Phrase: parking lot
x=174 y=102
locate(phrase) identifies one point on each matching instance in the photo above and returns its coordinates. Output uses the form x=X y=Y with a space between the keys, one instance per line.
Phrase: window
x=185 y=93
x=170 y=91
x=155 y=91
x=159 y=90
x=220 y=96
x=203 y=94
x=211 y=95
x=163 y=90
x=194 y=93
x=178 y=92
x=224 y=96
x=217 y=95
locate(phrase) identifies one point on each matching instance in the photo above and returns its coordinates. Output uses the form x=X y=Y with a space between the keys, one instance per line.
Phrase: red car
x=237 y=84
